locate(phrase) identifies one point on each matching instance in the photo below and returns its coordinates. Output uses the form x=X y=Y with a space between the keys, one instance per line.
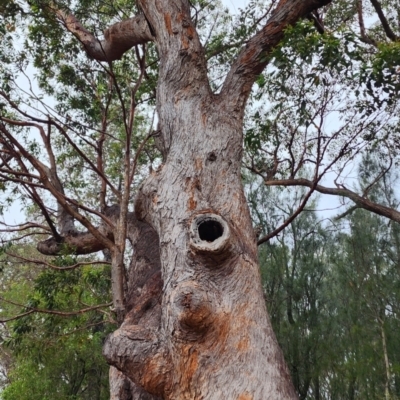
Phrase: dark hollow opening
x=210 y=230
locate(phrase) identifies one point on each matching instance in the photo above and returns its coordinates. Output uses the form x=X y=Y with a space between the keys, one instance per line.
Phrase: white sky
x=234 y=5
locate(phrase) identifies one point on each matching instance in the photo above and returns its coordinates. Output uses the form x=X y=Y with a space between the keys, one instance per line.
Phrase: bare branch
x=360 y=201
x=118 y=38
x=290 y=219
x=22 y=227
x=318 y=23
x=40 y=262
x=16 y=317
x=62 y=131
x=61 y=199
x=346 y=213
x=52 y=312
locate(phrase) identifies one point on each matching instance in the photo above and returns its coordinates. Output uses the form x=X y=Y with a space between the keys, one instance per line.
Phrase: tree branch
x=290 y=219
x=52 y=312
x=45 y=179
x=255 y=56
x=365 y=38
x=118 y=38
x=2 y=321
x=360 y=201
x=40 y=262
x=78 y=242
x=385 y=24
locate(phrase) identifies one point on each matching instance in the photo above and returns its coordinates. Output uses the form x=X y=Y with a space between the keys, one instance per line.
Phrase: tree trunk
x=215 y=339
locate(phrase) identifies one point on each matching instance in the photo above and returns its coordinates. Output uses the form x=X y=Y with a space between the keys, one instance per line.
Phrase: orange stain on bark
x=248 y=55
x=190 y=32
x=192 y=185
x=192 y=203
x=168 y=24
x=223 y=330
x=188 y=368
x=243 y=344
x=192 y=365
x=180 y=17
x=185 y=42
x=245 y=396
x=198 y=163
x=155 y=379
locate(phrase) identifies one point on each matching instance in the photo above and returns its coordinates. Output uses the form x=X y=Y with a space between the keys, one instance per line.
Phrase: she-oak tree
x=193 y=321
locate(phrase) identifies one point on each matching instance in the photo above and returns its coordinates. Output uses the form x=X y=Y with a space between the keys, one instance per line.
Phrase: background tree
x=53 y=352
x=332 y=293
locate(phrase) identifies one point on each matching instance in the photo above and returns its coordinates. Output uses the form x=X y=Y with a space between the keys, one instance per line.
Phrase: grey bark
x=118 y=38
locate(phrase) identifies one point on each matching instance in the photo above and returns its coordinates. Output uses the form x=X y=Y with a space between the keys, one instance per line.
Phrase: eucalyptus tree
x=188 y=301
x=193 y=321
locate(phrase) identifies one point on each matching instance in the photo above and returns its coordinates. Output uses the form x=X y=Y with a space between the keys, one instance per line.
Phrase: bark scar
x=168 y=24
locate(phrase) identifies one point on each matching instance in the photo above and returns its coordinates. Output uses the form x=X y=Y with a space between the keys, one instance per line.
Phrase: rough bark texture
x=196 y=325
x=215 y=340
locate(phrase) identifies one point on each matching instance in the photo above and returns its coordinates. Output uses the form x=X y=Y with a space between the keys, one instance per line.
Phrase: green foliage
x=69 y=368
x=53 y=354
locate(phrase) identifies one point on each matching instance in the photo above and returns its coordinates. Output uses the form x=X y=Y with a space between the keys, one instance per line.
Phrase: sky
x=234 y=5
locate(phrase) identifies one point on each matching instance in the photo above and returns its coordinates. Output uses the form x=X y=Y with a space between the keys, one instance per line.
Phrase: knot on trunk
x=194 y=311
x=210 y=236
x=140 y=354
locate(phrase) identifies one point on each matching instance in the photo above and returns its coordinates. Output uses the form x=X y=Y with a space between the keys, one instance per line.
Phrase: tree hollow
x=209 y=233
